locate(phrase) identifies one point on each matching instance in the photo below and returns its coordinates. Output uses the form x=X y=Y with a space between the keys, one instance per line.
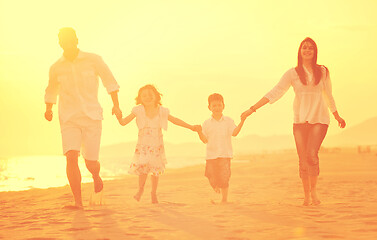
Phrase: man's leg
x=74 y=176
x=91 y=133
x=94 y=168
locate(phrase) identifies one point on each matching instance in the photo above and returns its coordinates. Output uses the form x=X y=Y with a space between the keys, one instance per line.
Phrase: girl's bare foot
x=138 y=194
x=154 y=198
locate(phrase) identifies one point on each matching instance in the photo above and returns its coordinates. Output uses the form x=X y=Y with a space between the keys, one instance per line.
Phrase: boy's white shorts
x=82 y=133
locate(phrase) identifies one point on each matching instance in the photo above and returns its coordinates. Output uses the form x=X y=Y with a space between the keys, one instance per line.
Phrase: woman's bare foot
x=154 y=198
x=138 y=194
x=306 y=201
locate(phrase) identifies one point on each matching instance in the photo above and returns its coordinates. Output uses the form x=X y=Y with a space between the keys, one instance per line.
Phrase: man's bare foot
x=154 y=198
x=138 y=194
x=98 y=184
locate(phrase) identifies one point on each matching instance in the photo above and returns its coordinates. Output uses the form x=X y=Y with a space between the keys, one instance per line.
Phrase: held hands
x=197 y=128
x=117 y=112
x=247 y=113
x=48 y=115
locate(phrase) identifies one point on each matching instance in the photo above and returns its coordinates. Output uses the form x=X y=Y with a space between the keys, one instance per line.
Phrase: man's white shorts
x=82 y=133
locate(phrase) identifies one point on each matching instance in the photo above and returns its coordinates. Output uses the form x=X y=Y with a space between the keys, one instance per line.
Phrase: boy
x=216 y=133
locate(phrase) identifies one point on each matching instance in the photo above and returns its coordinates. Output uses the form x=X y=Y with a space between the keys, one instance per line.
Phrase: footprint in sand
x=324 y=221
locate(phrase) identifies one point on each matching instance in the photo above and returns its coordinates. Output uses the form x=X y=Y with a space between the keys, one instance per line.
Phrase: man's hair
x=67 y=31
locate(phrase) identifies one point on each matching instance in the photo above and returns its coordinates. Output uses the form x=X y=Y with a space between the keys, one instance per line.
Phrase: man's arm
x=48 y=113
x=116 y=110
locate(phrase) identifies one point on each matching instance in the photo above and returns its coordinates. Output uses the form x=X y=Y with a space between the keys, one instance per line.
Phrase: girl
x=312 y=86
x=149 y=155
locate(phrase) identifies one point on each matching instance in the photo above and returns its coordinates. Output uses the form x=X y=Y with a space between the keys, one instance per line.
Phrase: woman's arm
x=263 y=101
x=330 y=99
x=126 y=120
x=274 y=94
x=340 y=120
x=181 y=123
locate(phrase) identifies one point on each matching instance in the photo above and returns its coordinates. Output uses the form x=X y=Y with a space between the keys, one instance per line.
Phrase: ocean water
x=23 y=173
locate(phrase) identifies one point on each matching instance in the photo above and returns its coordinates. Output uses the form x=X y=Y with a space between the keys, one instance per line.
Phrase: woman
x=312 y=87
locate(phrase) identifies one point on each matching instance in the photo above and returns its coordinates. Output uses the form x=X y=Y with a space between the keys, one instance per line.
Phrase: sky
x=188 y=50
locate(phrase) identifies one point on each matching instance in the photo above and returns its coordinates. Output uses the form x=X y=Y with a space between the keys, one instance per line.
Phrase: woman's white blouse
x=311 y=101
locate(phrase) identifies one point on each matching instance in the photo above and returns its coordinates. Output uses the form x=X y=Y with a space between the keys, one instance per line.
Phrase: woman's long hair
x=317 y=72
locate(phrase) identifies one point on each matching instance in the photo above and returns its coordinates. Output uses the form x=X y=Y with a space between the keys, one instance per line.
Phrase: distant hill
x=364 y=133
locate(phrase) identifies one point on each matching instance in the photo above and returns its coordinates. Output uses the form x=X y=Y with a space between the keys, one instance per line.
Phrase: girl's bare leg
x=154 y=189
x=142 y=180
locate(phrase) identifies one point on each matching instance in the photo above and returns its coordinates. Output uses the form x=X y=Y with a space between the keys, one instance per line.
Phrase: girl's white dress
x=149 y=154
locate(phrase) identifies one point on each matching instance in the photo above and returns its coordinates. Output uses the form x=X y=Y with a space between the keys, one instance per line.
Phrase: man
x=74 y=77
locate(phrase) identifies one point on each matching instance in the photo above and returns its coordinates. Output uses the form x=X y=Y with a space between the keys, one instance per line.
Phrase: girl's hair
x=157 y=94
x=317 y=72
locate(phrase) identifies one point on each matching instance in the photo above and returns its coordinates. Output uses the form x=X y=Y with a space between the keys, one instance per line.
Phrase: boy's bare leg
x=94 y=169
x=142 y=180
x=306 y=185
x=154 y=189
x=224 y=192
x=74 y=176
x=313 y=190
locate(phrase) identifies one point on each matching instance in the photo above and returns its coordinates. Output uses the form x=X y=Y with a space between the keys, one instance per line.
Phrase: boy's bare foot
x=98 y=184
x=74 y=207
x=154 y=198
x=315 y=200
x=138 y=194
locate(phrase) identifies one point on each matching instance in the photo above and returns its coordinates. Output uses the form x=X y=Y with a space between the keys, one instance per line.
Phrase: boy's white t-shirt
x=219 y=136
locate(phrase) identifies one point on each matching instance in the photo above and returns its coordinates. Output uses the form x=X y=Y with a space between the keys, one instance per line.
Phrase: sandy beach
x=265 y=203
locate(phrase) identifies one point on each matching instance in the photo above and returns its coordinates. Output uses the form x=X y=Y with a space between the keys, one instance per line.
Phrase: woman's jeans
x=308 y=138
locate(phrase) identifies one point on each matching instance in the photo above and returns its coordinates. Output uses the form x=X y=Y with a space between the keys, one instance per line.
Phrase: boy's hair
x=215 y=97
x=154 y=90
x=67 y=32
